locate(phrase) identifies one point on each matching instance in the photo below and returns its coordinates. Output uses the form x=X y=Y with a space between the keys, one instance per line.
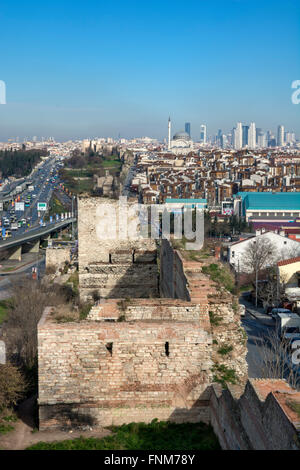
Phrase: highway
x=44 y=180
x=35 y=233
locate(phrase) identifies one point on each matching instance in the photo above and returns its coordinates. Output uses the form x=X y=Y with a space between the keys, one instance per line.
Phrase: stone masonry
x=114 y=268
x=155 y=363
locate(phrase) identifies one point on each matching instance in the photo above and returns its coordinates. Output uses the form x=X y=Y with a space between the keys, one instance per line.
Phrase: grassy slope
x=140 y=436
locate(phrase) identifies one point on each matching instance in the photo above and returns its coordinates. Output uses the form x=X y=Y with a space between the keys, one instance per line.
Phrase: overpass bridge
x=14 y=244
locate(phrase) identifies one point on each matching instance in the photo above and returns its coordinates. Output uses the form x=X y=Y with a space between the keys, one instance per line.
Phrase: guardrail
x=35 y=233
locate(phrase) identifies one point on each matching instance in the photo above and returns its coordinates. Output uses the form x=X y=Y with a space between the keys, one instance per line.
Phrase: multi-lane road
x=44 y=180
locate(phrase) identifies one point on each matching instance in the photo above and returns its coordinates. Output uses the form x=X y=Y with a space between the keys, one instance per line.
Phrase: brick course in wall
x=116 y=372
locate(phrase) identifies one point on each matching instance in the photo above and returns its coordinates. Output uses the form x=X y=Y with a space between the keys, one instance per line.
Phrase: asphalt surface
x=44 y=180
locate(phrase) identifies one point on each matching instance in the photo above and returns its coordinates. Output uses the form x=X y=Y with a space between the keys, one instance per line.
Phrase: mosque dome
x=181 y=136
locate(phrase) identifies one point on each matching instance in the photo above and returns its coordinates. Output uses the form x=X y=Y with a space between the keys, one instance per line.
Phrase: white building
x=252 y=136
x=280 y=136
x=238 y=136
x=203 y=134
x=284 y=248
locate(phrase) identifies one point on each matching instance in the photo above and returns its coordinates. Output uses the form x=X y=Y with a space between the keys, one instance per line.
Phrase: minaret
x=169 y=134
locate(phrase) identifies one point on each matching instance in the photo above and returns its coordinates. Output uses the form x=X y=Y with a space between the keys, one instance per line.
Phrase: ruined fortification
x=113 y=268
x=136 y=356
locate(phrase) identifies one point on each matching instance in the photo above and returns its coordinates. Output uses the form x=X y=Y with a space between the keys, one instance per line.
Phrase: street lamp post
x=256 y=276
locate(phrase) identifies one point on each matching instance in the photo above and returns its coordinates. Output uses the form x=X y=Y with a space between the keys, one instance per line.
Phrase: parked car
x=242 y=310
x=274 y=312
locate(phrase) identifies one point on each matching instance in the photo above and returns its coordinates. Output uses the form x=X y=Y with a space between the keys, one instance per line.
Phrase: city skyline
x=122 y=68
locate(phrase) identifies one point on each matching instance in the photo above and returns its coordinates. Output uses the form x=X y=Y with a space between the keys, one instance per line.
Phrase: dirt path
x=25 y=433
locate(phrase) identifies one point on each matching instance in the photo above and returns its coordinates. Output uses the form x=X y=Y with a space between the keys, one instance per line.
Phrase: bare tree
x=274 y=359
x=29 y=298
x=260 y=254
x=272 y=290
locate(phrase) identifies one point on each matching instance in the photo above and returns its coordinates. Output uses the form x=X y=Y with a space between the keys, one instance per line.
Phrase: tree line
x=19 y=163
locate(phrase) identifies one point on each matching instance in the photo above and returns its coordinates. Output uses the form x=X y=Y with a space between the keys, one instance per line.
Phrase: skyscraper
x=245 y=130
x=187 y=128
x=220 y=138
x=280 y=136
x=169 y=133
x=203 y=134
x=238 y=136
x=252 y=136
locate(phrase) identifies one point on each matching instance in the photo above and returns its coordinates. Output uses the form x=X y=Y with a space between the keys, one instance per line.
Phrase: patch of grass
x=224 y=375
x=225 y=349
x=221 y=275
x=4 y=308
x=84 y=309
x=215 y=319
x=158 y=435
x=5 y=428
x=294 y=406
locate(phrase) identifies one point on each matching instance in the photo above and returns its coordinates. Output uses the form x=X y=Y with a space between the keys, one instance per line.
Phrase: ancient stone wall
x=183 y=279
x=113 y=372
x=57 y=256
x=116 y=267
x=259 y=418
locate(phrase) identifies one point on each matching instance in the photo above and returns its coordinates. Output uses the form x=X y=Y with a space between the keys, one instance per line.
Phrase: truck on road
x=288 y=326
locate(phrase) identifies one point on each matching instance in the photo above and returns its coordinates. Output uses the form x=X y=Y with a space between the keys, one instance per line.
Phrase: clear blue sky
x=94 y=68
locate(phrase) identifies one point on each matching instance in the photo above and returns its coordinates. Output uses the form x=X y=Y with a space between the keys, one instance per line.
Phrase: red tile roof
x=288 y=261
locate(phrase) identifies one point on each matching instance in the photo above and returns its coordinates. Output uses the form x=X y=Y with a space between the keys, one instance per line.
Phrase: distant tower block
x=169 y=134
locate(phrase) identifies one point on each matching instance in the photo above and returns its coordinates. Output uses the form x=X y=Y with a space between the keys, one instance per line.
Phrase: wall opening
x=167 y=351
x=109 y=347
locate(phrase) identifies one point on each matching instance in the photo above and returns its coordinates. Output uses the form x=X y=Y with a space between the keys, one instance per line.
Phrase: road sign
x=20 y=206
x=3 y=232
x=42 y=206
x=51 y=219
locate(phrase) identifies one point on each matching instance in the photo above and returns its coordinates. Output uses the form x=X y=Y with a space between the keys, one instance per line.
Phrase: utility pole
x=256 y=276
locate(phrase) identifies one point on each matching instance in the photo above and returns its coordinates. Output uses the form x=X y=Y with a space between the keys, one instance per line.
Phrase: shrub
x=221 y=275
x=225 y=349
x=215 y=319
x=224 y=375
x=12 y=385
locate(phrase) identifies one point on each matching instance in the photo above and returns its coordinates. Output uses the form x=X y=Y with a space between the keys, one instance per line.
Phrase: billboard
x=20 y=206
x=41 y=206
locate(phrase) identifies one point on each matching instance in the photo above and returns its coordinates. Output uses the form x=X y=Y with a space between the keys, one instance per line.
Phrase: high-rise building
x=252 y=136
x=203 y=134
x=220 y=138
x=169 y=133
x=238 y=136
x=261 y=139
x=280 y=136
x=245 y=130
x=290 y=137
x=187 y=128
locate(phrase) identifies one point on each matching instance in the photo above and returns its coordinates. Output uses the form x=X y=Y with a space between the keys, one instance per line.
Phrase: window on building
x=167 y=349
x=109 y=347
